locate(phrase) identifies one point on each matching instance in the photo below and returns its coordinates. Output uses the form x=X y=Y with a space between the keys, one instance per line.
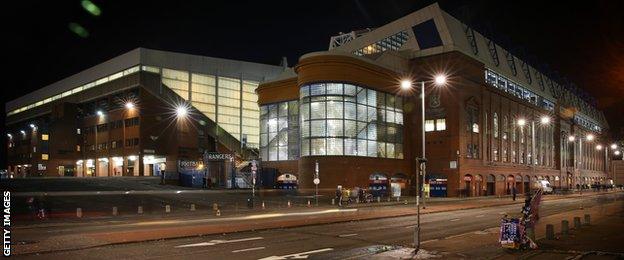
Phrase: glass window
x=317 y=146
x=351 y=120
x=429 y=125
x=440 y=124
x=45 y=137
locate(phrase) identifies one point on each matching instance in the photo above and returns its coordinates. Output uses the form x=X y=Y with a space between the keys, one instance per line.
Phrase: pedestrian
x=513 y=193
x=339 y=195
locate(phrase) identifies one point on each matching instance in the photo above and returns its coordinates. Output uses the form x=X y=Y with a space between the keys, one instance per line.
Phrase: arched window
x=495 y=124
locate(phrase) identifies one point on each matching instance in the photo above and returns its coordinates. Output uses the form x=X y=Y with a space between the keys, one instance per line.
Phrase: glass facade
x=392 y=42
x=344 y=119
x=515 y=89
x=231 y=102
x=279 y=131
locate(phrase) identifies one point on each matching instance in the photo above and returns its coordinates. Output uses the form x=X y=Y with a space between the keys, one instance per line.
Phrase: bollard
x=263 y=207
x=586 y=220
x=550 y=232
x=215 y=206
x=218 y=213
x=378 y=199
x=140 y=210
x=289 y=204
x=565 y=228
x=167 y=209
x=79 y=212
x=115 y=212
x=309 y=203
x=577 y=222
x=192 y=207
x=333 y=201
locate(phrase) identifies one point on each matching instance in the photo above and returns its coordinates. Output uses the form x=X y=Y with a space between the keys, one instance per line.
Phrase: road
x=325 y=241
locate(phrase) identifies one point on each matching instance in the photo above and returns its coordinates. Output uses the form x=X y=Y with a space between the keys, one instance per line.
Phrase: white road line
x=215 y=242
x=248 y=249
x=410 y=226
x=302 y=255
x=456 y=219
x=429 y=241
x=479 y=216
x=347 y=235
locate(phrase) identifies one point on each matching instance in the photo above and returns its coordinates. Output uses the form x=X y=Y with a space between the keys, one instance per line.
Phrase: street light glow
x=10 y=136
x=129 y=105
x=590 y=137
x=521 y=122
x=616 y=152
x=23 y=132
x=181 y=111
x=99 y=113
x=598 y=147
x=440 y=80
x=545 y=120
x=613 y=146
x=406 y=84
x=571 y=138
x=32 y=126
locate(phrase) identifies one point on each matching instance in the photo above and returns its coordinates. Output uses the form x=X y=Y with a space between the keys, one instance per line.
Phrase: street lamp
x=545 y=120
x=10 y=136
x=571 y=138
x=438 y=80
x=614 y=146
x=521 y=122
x=33 y=126
x=181 y=111
x=590 y=137
x=99 y=113
x=616 y=152
x=129 y=105
x=599 y=147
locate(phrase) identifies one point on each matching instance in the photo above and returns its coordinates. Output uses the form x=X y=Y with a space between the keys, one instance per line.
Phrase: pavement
x=285 y=233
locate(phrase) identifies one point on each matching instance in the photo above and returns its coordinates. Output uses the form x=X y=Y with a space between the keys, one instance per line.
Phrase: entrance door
x=490 y=188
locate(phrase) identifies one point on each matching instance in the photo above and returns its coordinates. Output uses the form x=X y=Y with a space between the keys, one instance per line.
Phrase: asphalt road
x=322 y=241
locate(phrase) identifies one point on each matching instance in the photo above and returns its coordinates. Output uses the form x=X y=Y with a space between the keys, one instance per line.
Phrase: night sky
x=583 y=41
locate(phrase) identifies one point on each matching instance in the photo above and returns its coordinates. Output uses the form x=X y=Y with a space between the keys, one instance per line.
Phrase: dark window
x=132 y=121
x=427 y=35
x=102 y=128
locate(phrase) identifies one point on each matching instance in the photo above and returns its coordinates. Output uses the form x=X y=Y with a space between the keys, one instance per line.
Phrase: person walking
x=513 y=193
x=339 y=195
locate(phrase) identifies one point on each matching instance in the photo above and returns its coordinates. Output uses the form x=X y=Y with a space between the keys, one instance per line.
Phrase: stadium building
x=139 y=114
x=493 y=121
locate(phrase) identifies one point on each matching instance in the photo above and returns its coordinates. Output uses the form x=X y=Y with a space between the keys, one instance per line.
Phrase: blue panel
x=427 y=35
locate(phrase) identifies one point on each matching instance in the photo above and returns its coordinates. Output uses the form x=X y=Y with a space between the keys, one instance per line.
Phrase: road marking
x=479 y=216
x=456 y=219
x=429 y=241
x=347 y=235
x=248 y=249
x=302 y=255
x=410 y=226
x=215 y=242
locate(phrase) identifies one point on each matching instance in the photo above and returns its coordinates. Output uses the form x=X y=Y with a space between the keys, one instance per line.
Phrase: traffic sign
x=317 y=181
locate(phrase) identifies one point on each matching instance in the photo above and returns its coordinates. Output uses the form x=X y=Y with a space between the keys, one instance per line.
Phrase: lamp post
x=407 y=84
